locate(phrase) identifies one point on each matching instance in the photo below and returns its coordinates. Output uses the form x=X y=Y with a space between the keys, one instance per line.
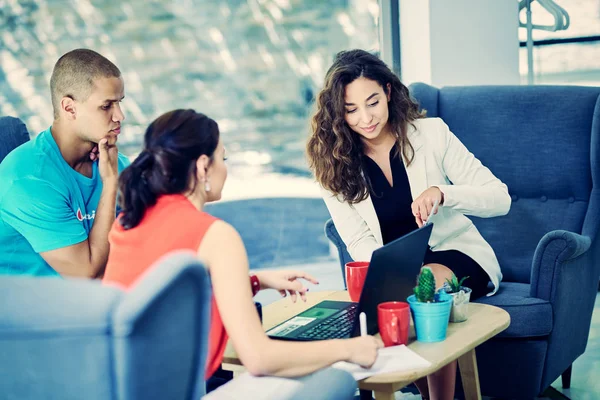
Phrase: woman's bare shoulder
x=220 y=229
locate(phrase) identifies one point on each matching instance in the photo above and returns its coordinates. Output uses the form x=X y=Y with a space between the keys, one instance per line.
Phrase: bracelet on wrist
x=254 y=284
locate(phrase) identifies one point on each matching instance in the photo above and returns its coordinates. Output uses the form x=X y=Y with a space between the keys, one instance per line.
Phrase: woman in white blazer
x=382 y=167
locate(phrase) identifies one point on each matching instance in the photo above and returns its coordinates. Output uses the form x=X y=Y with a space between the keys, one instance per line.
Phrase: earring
x=207 y=186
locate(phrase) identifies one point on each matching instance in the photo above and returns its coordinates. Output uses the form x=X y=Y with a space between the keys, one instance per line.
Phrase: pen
x=363 y=324
x=433 y=211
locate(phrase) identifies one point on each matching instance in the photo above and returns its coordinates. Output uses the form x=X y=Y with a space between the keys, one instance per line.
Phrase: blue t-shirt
x=44 y=205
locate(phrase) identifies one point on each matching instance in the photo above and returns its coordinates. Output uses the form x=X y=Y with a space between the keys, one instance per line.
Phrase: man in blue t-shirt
x=58 y=192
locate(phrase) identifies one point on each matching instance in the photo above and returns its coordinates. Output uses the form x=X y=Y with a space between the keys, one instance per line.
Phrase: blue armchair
x=72 y=339
x=544 y=143
x=13 y=133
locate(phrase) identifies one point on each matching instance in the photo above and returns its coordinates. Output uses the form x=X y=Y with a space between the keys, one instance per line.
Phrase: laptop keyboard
x=339 y=326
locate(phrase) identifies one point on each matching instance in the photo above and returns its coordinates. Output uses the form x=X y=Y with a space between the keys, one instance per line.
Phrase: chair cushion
x=529 y=316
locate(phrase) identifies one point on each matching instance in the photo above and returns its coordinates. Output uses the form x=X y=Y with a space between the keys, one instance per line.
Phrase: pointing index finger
x=304 y=275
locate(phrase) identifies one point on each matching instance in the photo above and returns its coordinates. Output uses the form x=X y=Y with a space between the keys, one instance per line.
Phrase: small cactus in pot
x=425 y=289
x=430 y=310
x=453 y=285
x=460 y=295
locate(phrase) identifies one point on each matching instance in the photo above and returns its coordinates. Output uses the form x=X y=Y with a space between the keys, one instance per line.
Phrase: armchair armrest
x=161 y=330
x=326 y=384
x=335 y=238
x=554 y=250
x=564 y=272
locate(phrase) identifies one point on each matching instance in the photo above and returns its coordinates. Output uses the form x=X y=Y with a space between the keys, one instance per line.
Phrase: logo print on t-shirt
x=81 y=216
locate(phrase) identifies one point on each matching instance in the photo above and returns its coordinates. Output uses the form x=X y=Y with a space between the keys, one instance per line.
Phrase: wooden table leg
x=469 y=375
x=384 y=395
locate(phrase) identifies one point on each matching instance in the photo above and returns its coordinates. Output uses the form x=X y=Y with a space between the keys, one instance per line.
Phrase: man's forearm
x=105 y=216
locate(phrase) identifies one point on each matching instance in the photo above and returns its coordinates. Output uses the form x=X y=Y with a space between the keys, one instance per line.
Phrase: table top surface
x=484 y=322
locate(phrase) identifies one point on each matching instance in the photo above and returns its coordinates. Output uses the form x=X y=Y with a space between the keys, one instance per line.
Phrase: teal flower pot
x=431 y=319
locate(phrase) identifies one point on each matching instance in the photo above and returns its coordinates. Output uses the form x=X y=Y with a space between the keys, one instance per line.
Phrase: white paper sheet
x=389 y=359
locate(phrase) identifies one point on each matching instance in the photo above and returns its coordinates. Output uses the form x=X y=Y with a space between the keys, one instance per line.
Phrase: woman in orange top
x=162 y=196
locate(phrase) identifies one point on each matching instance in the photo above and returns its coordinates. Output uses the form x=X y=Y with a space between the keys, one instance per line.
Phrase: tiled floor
x=585 y=384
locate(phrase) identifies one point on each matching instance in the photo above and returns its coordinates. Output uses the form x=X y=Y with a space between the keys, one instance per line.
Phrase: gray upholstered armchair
x=75 y=338
x=544 y=143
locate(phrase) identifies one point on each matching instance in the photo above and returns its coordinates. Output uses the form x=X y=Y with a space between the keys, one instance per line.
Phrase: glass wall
x=569 y=63
x=253 y=65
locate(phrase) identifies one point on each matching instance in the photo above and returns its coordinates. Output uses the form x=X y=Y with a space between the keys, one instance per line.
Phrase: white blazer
x=441 y=160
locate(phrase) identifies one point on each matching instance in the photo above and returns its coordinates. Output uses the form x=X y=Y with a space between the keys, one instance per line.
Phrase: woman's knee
x=440 y=273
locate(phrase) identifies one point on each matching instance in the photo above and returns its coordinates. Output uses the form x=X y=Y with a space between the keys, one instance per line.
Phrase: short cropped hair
x=74 y=73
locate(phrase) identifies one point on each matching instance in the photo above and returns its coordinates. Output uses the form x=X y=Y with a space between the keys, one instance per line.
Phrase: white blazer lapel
x=417 y=170
x=366 y=210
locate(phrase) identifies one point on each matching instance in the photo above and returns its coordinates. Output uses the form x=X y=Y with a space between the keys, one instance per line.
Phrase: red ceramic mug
x=393 y=319
x=356 y=272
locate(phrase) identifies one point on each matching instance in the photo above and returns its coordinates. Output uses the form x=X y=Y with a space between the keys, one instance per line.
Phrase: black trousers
x=219 y=378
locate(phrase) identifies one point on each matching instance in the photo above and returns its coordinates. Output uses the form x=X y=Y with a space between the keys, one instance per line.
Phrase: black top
x=392 y=203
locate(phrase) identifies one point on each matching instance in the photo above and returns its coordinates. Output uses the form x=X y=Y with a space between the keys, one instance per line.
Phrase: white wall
x=459 y=42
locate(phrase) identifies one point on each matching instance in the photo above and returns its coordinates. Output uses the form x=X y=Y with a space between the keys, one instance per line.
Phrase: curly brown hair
x=335 y=152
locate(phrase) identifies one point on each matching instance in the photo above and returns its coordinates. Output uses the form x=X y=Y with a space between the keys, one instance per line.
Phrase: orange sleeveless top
x=172 y=224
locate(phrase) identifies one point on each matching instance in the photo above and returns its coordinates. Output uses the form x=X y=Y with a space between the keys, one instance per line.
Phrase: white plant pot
x=460 y=305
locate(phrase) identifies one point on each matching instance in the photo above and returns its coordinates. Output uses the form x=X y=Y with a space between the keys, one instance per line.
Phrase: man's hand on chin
x=94 y=153
x=108 y=159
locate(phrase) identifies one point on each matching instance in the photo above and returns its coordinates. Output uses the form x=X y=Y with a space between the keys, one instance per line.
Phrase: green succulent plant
x=455 y=284
x=425 y=289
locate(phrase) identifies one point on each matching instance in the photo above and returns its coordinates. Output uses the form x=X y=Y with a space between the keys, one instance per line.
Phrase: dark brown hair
x=334 y=150
x=167 y=165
